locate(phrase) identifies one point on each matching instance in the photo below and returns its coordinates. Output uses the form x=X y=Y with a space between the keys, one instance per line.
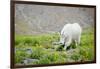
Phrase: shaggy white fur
x=69 y=33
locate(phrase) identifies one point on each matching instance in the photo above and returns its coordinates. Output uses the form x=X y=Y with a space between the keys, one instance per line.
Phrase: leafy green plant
x=43 y=49
x=20 y=55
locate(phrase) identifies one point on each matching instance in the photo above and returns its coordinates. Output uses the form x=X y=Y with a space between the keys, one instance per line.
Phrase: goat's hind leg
x=77 y=42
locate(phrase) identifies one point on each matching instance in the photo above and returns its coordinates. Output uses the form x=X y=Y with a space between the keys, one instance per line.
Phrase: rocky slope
x=38 y=19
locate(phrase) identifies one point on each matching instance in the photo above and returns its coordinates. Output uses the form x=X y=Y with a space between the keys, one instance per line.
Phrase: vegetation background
x=37 y=27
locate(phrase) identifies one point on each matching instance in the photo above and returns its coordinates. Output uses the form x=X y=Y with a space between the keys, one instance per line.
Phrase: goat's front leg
x=67 y=43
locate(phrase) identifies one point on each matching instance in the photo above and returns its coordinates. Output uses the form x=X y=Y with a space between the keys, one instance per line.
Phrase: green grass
x=46 y=53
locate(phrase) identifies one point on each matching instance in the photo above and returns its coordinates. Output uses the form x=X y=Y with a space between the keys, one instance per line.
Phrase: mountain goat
x=69 y=33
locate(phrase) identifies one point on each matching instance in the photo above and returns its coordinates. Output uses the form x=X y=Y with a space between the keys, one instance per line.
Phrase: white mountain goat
x=70 y=33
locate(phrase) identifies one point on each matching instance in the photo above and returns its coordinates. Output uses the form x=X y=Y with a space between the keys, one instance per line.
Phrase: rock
x=29 y=51
x=29 y=61
x=52 y=18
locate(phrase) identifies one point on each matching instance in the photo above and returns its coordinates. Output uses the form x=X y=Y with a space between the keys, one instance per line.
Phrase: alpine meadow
x=38 y=29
